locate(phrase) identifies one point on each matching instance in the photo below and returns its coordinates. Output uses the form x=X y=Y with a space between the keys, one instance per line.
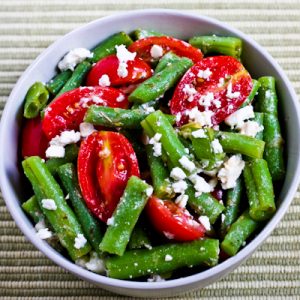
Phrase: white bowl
x=181 y=25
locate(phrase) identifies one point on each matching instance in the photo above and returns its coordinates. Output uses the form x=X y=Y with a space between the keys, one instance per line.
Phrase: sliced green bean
x=159 y=83
x=108 y=46
x=120 y=228
x=54 y=163
x=259 y=118
x=62 y=219
x=139 y=238
x=238 y=233
x=92 y=229
x=139 y=34
x=56 y=83
x=163 y=259
x=253 y=93
x=77 y=77
x=259 y=190
x=32 y=208
x=35 y=100
x=208 y=44
x=166 y=60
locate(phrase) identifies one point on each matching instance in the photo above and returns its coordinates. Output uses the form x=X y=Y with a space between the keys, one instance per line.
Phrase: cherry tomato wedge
x=219 y=84
x=138 y=70
x=179 y=47
x=106 y=160
x=67 y=111
x=174 y=222
x=34 y=141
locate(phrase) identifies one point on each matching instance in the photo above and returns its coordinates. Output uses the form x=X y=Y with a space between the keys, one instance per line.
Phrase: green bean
x=159 y=175
x=259 y=190
x=32 y=208
x=238 y=233
x=259 y=118
x=267 y=101
x=163 y=259
x=92 y=229
x=274 y=146
x=56 y=83
x=239 y=143
x=159 y=83
x=205 y=204
x=231 y=46
x=232 y=207
x=54 y=163
x=139 y=34
x=254 y=91
x=166 y=60
x=107 y=47
x=131 y=203
x=139 y=238
x=77 y=78
x=35 y=100
x=62 y=219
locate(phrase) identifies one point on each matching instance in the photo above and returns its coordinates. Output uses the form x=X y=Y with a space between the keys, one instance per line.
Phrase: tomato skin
x=172 y=221
x=138 y=70
x=179 y=47
x=67 y=111
x=224 y=68
x=106 y=160
x=34 y=141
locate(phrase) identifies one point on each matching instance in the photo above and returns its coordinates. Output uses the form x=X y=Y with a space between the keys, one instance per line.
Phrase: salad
x=150 y=157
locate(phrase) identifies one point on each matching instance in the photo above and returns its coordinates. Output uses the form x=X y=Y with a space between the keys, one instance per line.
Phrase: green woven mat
x=27 y=27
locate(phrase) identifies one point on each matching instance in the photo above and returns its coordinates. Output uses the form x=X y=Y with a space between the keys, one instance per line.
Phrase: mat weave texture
x=28 y=27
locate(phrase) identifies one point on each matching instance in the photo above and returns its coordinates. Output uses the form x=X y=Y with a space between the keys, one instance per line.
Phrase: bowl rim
x=24 y=224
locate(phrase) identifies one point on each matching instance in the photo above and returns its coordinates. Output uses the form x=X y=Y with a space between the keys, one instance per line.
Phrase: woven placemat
x=29 y=26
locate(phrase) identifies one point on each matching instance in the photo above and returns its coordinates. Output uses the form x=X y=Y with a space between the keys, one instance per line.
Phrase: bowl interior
x=180 y=25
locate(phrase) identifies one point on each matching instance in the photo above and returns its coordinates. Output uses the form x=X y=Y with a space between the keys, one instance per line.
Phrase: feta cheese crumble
x=73 y=58
x=237 y=118
x=110 y=221
x=157 y=147
x=231 y=171
x=204 y=220
x=55 y=151
x=86 y=129
x=203 y=118
x=177 y=173
x=251 y=128
x=205 y=74
x=156 y=51
x=216 y=146
x=206 y=100
x=179 y=186
x=230 y=94
x=79 y=241
x=149 y=191
x=104 y=80
x=155 y=278
x=187 y=164
x=49 y=204
x=95 y=264
x=44 y=233
x=168 y=257
x=190 y=91
x=124 y=56
x=199 y=133
x=182 y=200
x=200 y=185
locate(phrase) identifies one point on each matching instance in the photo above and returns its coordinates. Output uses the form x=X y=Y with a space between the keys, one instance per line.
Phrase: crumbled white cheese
x=155 y=278
x=190 y=91
x=187 y=164
x=104 y=80
x=44 y=233
x=251 y=128
x=182 y=200
x=73 y=58
x=205 y=74
x=217 y=103
x=204 y=220
x=177 y=173
x=168 y=257
x=157 y=149
x=216 y=146
x=156 y=51
x=168 y=235
x=149 y=191
x=199 y=133
x=200 y=185
x=203 y=118
x=213 y=183
x=221 y=82
x=96 y=99
x=179 y=186
x=104 y=153
x=49 y=204
x=237 y=118
x=86 y=129
x=55 y=151
x=156 y=138
x=95 y=264
x=120 y=98
x=231 y=171
x=79 y=241
x=230 y=94
x=65 y=138
x=40 y=225
x=123 y=56
x=110 y=221
x=206 y=100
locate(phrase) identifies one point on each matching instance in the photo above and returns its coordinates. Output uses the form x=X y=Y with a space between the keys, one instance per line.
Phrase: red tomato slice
x=34 y=141
x=229 y=83
x=179 y=47
x=137 y=69
x=67 y=111
x=172 y=221
x=106 y=160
